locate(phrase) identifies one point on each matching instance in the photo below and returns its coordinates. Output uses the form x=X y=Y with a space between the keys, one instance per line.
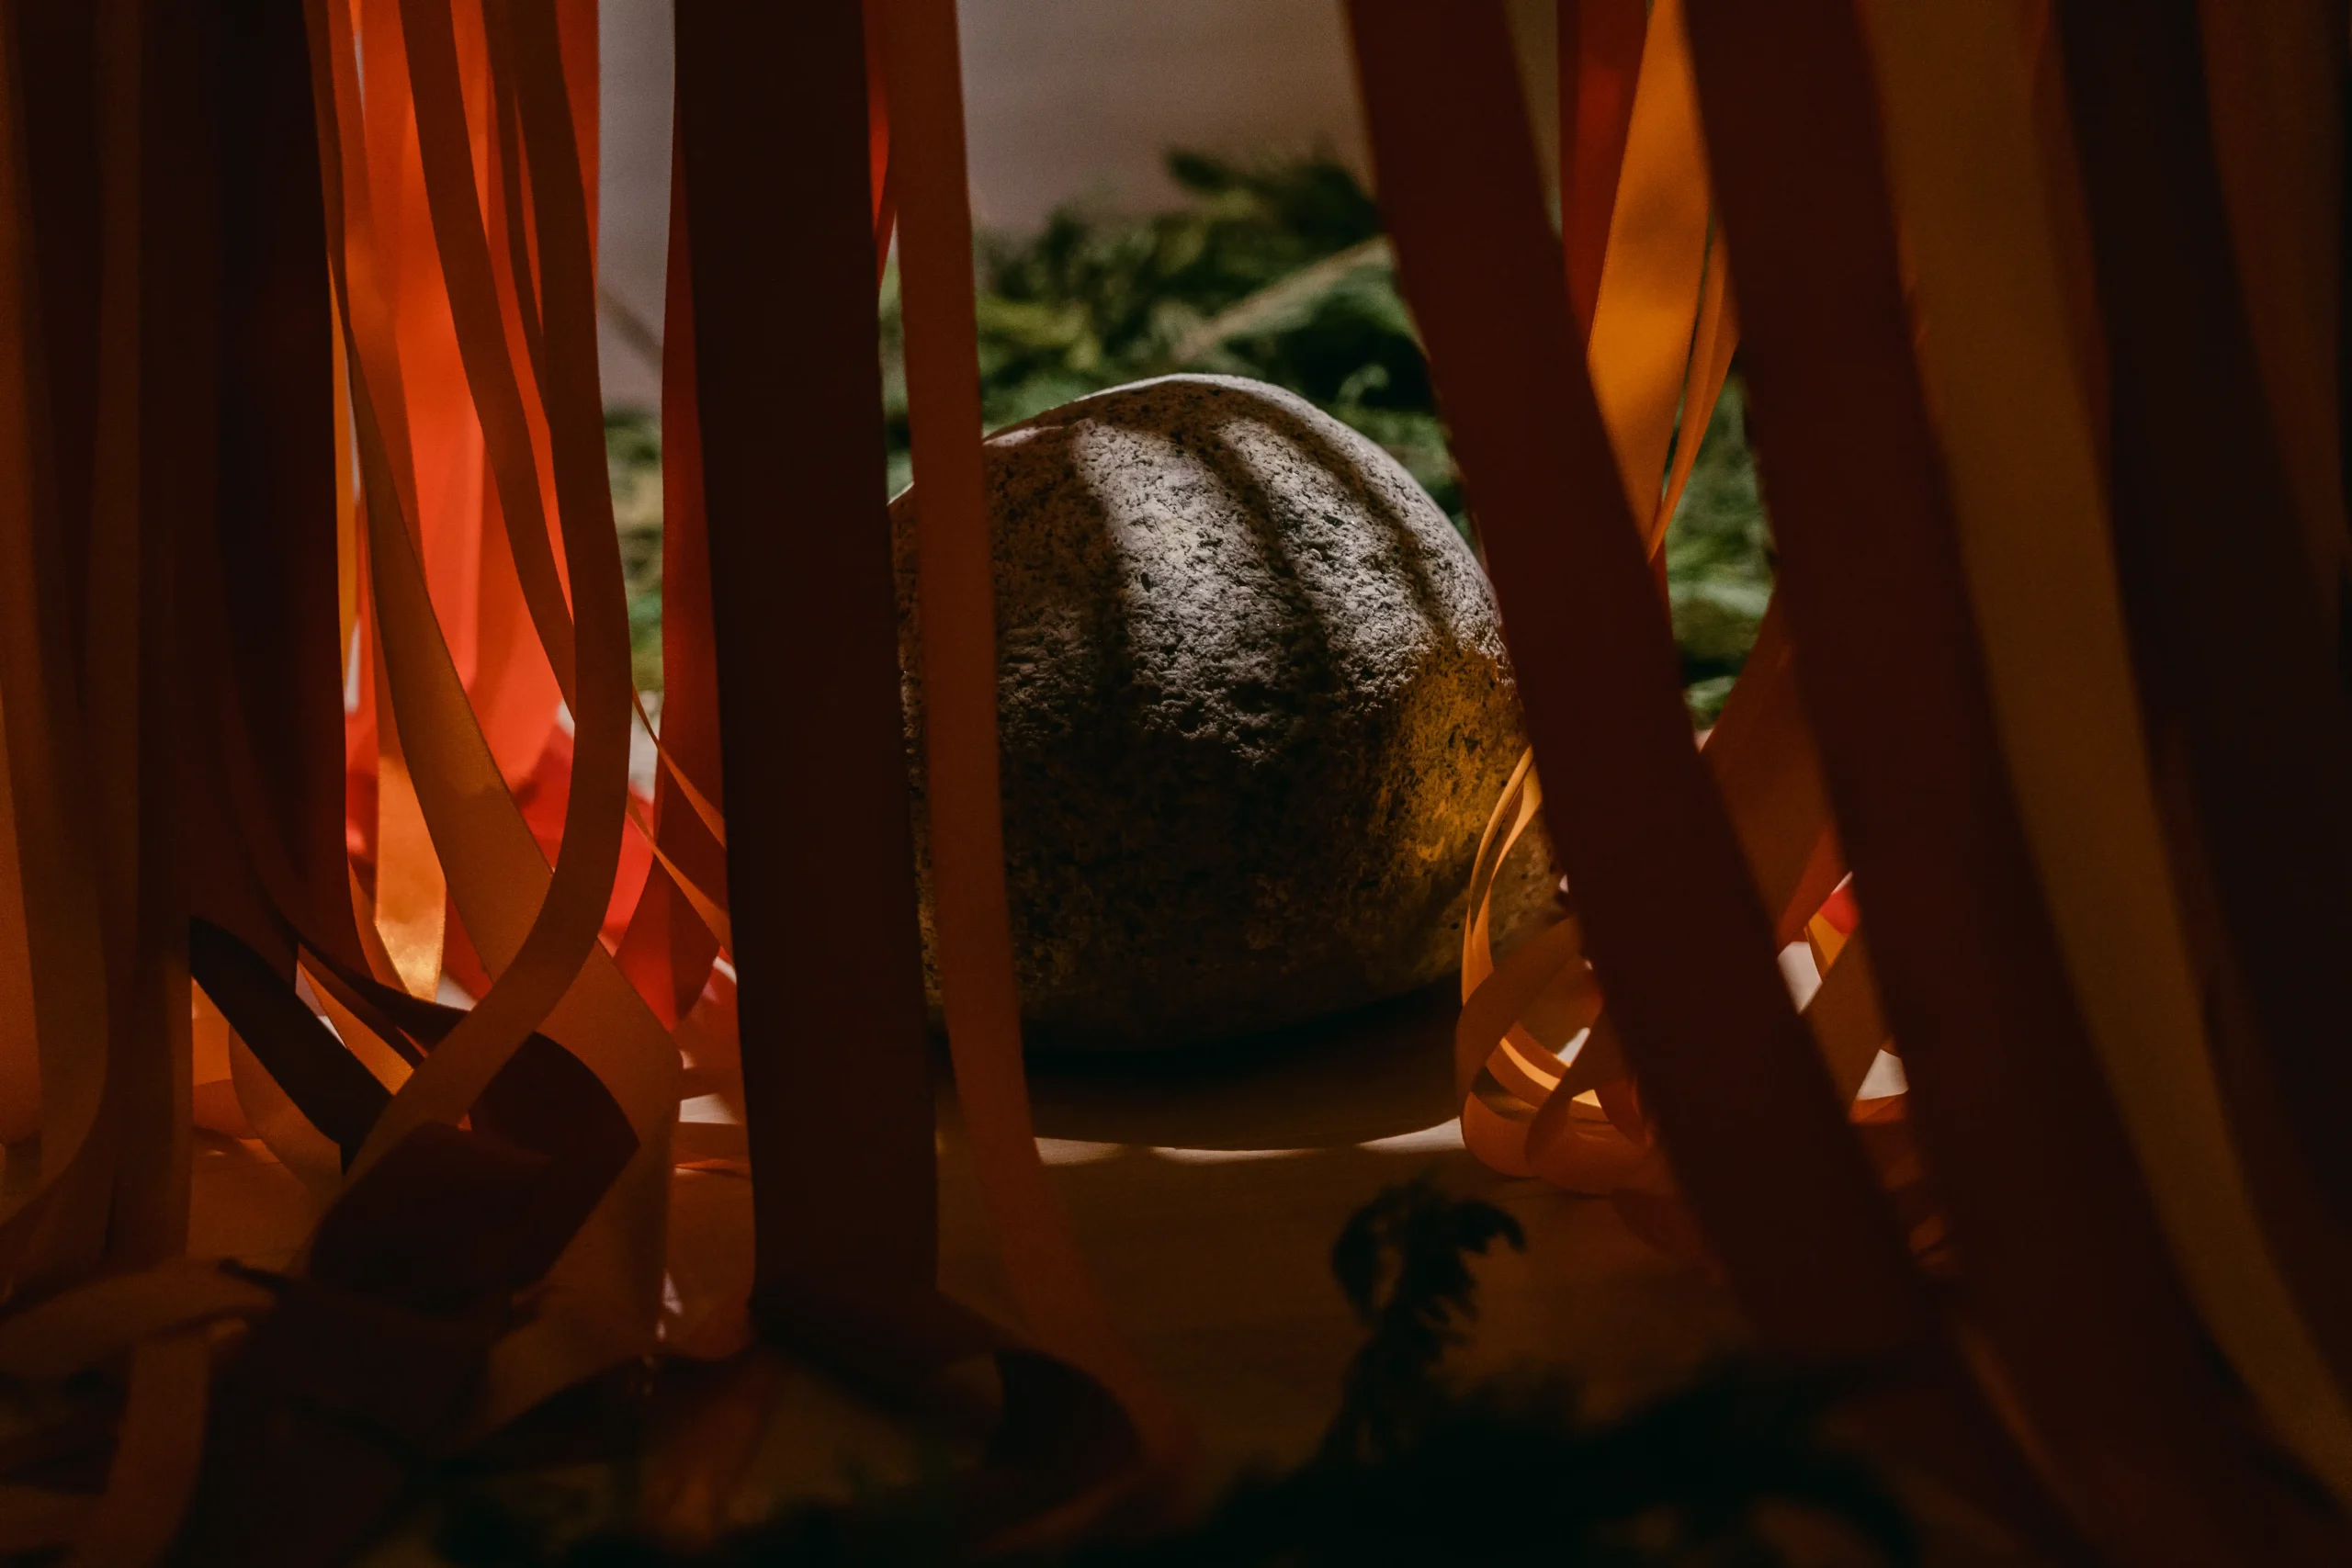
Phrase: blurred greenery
x=633 y=459
x=1718 y=559
x=1273 y=269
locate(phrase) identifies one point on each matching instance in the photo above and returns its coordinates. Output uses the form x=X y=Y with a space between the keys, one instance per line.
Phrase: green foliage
x=633 y=463
x=1276 y=270
x=1273 y=270
x=1718 y=559
x=1414 y=1470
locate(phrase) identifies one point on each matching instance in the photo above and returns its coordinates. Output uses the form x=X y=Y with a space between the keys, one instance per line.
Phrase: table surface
x=1205 y=1188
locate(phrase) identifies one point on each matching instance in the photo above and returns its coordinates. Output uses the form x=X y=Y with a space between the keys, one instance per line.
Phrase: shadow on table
x=1373 y=1073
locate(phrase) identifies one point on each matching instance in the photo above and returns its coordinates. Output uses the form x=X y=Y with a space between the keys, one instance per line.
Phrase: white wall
x=633 y=186
x=1062 y=98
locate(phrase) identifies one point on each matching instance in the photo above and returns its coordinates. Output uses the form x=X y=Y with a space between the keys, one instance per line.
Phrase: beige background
x=1062 y=98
